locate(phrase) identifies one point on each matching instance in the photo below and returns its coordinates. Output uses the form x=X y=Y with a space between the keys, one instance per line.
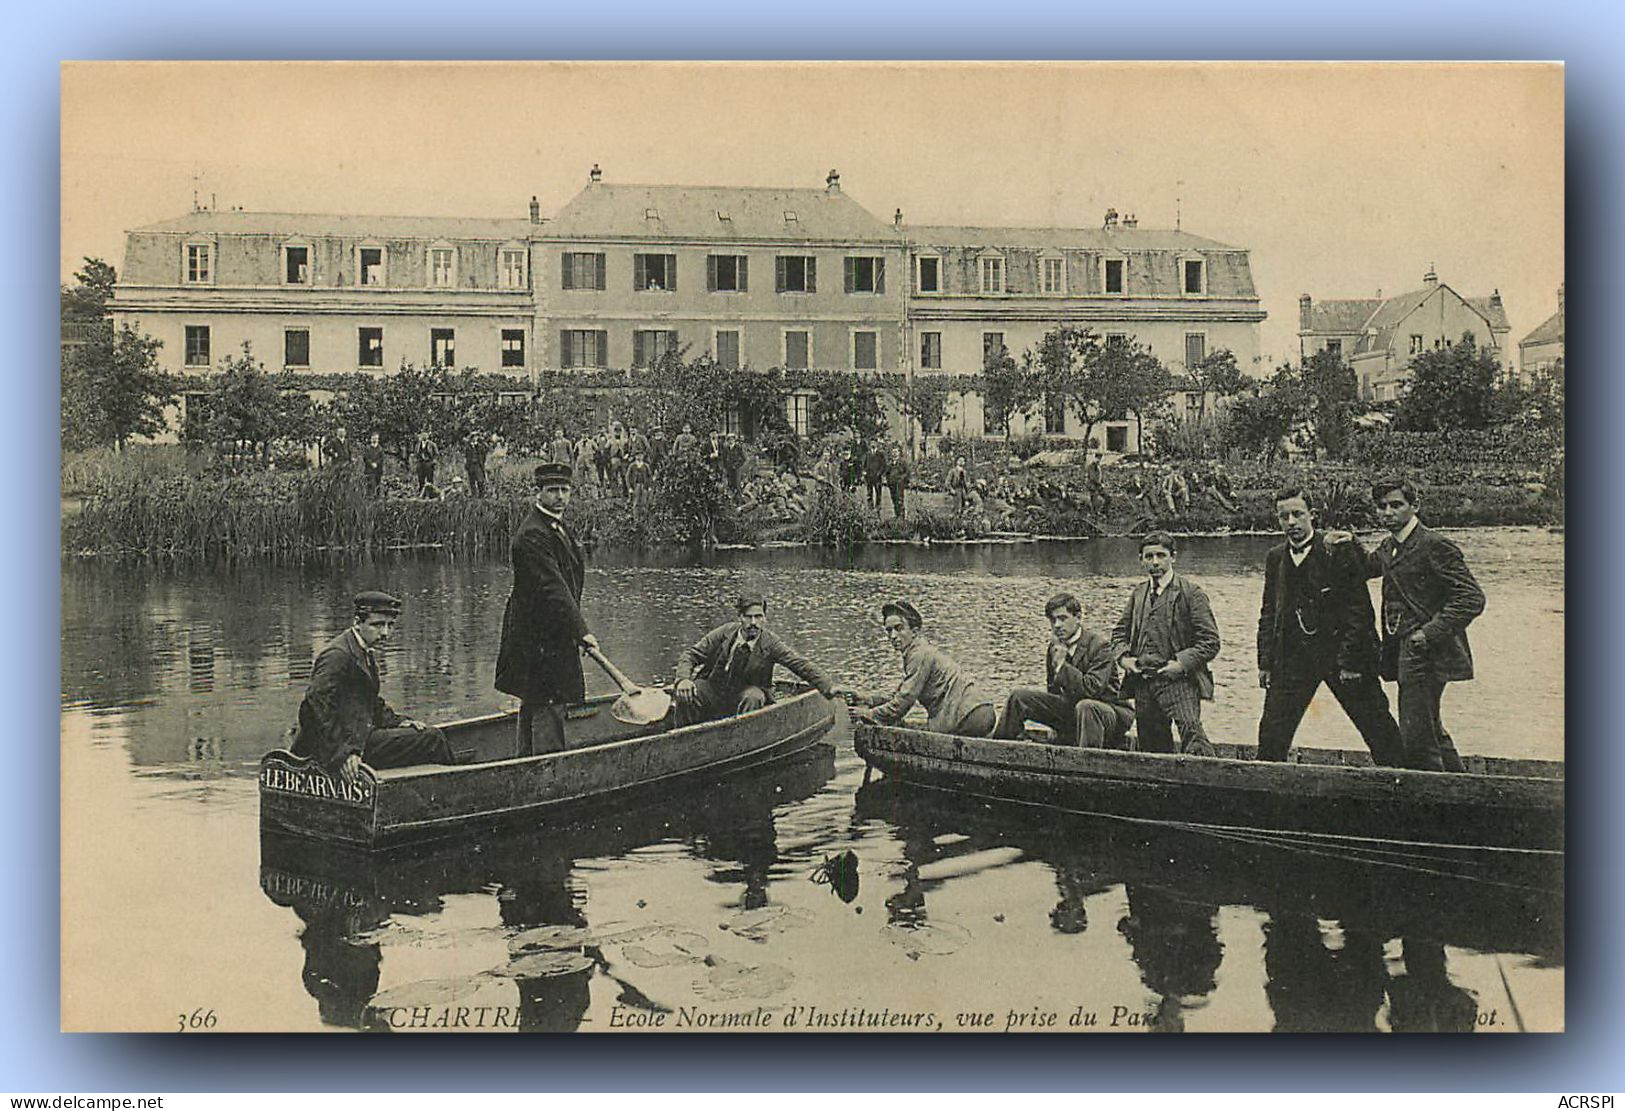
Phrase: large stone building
x=1542 y=349
x=757 y=278
x=1380 y=336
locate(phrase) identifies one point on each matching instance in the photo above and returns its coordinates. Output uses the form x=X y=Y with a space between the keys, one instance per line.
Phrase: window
x=296 y=347
x=994 y=420
x=511 y=268
x=929 y=274
x=1194 y=276
x=583 y=347
x=726 y=346
x=657 y=272
x=931 y=350
x=1334 y=347
x=296 y=265
x=583 y=270
x=798 y=412
x=727 y=273
x=370 y=347
x=1117 y=438
x=1416 y=344
x=199 y=263
x=1115 y=275
x=993 y=275
x=649 y=347
x=796 y=274
x=1054 y=275
x=796 y=346
x=513 y=347
x=443 y=267
x=197 y=345
x=1195 y=348
x=865 y=274
x=443 y=347
x=369 y=266
x=1054 y=415
x=1117 y=339
x=732 y=425
x=992 y=347
x=865 y=350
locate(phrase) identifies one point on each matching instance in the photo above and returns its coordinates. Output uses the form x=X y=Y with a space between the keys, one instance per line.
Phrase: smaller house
x=1380 y=336
x=1540 y=350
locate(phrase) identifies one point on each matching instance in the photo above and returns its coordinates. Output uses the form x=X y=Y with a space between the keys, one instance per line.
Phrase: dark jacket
x=1339 y=627
x=341 y=706
x=1425 y=585
x=874 y=466
x=708 y=657
x=1195 y=632
x=1089 y=670
x=539 y=658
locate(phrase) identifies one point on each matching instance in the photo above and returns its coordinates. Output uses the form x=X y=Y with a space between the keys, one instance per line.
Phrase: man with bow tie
x=543 y=631
x=730 y=669
x=1317 y=626
x=1081 y=700
x=343 y=721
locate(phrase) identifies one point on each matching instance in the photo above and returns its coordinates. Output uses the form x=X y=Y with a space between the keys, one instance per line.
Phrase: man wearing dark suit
x=730 y=669
x=1428 y=599
x=1316 y=626
x=1081 y=700
x=1164 y=641
x=543 y=632
x=342 y=719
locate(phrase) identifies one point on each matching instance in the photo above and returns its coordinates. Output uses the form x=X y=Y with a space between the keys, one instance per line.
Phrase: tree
x=245 y=410
x=87 y=299
x=846 y=404
x=924 y=400
x=112 y=388
x=1009 y=389
x=1451 y=388
x=1331 y=388
x=1126 y=379
x=1257 y=424
x=1217 y=374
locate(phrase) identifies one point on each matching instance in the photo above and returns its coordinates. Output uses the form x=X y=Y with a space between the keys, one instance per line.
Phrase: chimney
x=1430 y=279
x=1305 y=305
x=832 y=183
x=1111 y=219
x=596 y=175
x=535 y=211
x=1131 y=221
x=1495 y=300
x=897 y=218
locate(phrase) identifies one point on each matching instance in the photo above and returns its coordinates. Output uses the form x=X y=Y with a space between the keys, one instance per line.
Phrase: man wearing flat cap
x=730 y=669
x=343 y=721
x=543 y=632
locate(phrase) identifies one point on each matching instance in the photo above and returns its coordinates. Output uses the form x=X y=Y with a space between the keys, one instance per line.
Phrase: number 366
x=197 y=1020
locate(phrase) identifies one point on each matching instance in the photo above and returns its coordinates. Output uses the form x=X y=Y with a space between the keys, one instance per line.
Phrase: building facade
x=1380 y=336
x=1542 y=349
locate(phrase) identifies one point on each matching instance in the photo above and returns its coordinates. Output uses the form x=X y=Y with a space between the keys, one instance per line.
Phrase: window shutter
x=640 y=275
x=639 y=349
x=711 y=273
x=597 y=269
x=812 y=274
x=880 y=275
x=778 y=274
x=671 y=272
x=744 y=270
x=564 y=272
x=602 y=357
x=564 y=349
x=849 y=271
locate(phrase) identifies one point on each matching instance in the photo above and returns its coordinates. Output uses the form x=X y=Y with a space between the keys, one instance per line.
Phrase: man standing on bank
x=1316 y=626
x=342 y=719
x=1164 y=641
x=1428 y=599
x=543 y=631
x=1081 y=702
x=730 y=669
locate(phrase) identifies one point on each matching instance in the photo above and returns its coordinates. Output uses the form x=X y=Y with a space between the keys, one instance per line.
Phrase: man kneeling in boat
x=730 y=669
x=931 y=677
x=1082 y=702
x=343 y=721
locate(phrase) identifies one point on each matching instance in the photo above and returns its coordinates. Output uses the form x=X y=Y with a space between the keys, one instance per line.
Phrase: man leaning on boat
x=730 y=669
x=343 y=721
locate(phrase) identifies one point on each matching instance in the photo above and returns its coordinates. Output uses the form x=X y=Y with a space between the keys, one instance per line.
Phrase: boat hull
x=1501 y=804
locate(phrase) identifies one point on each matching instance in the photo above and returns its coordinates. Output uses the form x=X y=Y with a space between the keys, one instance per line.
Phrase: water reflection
x=358 y=910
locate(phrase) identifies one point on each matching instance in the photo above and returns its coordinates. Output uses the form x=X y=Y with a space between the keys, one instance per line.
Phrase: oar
x=637 y=705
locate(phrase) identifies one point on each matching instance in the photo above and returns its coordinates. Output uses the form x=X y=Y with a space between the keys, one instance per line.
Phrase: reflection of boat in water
x=603 y=760
x=1332 y=797
x=346 y=898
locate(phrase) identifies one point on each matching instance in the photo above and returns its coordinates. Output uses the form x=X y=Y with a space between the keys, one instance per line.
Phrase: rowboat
x=1332 y=797
x=604 y=759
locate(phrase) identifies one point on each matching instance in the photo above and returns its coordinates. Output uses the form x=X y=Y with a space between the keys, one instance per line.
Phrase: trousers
x=1091 y=722
x=1159 y=705
x=1425 y=744
x=1362 y=699
x=403 y=746
x=713 y=700
x=541 y=728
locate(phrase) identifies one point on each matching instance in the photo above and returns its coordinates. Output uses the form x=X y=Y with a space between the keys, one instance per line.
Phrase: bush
x=836 y=519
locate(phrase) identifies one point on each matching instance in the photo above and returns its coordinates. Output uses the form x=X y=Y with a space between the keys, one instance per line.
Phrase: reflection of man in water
x=1423 y=1000
x=1313 y=989
x=1177 y=948
x=543 y=897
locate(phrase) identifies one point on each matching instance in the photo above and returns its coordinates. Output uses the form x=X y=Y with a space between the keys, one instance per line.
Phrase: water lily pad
x=547 y=962
x=431 y=993
x=929 y=939
x=726 y=979
x=674 y=947
x=763 y=922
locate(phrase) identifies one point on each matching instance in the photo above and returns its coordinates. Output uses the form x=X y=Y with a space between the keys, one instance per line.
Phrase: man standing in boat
x=1316 y=626
x=1428 y=599
x=730 y=669
x=1082 y=701
x=543 y=631
x=342 y=720
x=1164 y=641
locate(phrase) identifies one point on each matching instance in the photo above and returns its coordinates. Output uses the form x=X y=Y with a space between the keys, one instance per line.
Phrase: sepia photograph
x=780 y=548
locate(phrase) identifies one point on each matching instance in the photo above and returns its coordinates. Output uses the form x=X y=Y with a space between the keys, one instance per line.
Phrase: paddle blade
x=642 y=707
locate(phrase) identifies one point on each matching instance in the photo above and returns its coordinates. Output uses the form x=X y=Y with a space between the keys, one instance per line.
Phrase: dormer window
x=1052 y=274
x=198 y=264
x=1114 y=275
x=1193 y=275
x=443 y=266
x=369 y=265
x=992 y=267
x=790 y=217
x=651 y=214
x=721 y=215
x=511 y=269
x=295 y=264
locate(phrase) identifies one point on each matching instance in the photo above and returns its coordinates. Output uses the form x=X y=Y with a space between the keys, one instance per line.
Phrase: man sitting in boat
x=1081 y=701
x=730 y=669
x=931 y=678
x=343 y=721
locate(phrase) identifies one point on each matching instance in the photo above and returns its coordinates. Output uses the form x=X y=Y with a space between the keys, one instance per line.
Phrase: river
x=716 y=906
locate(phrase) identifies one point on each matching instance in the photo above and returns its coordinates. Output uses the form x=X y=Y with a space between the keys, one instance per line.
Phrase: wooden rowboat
x=1332 y=796
x=603 y=760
